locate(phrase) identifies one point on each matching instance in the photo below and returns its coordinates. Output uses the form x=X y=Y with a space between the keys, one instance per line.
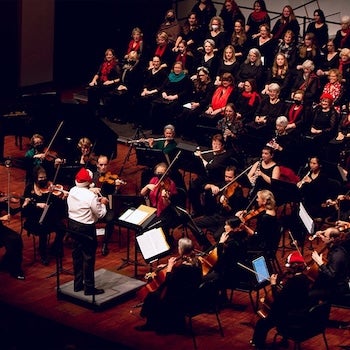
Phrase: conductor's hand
x=103 y=200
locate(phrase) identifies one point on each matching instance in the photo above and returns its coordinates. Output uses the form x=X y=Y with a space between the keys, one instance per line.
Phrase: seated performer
x=165 y=307
x=220 y=205
x=214 y=164
x=106 y=185
x=266 y=235
x=332 y=279
x=289 y=300
x=12 y=241
x=43 y=212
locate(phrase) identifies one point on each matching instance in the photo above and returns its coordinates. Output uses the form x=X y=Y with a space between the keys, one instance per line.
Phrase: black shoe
x=144 y=328
x=44 y=261
x=105 y=250
x=93 y=291
x=78 y=289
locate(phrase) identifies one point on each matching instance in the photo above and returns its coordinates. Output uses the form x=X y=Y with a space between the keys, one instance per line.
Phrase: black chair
x=206 y=301
x=305 y=326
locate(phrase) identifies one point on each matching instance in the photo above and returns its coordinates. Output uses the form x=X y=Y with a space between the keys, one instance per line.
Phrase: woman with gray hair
x=208 y=59
x=342 y=37
x=307 y=81
x=251 y=68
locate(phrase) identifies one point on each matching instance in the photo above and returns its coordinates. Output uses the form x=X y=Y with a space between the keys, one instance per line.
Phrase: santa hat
x=83 y=178
x=294 y=258
x=327 y=96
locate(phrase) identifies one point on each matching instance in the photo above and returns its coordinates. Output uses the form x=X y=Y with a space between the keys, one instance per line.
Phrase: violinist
x=36 y=208
x=332 y=281
x=263 y=171
x=35 y=156
x=264 y=238
x=160 y=191
x=290 y=300
x=12 y=241
x=106 y=187
x=83 y=156
x=221 y=204
x=231 y=248
x=165 y=308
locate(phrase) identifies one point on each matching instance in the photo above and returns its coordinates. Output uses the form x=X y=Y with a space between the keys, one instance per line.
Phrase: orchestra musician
x=263 y=171
x=333 y=273
x=266 y=234
x=161 y=190
x=230 y=249
x=44 y=213
x=289 y=300
x=12 y=241
x=214 y=164
x=106 y=185
x=84 y=209
x=220 y=205
x=165 y=308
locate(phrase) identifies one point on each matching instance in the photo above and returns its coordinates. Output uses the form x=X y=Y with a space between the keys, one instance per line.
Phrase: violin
x=251 y=214
x=110 y=179
x=228 y=193
x=208 y=260
x=13 y=197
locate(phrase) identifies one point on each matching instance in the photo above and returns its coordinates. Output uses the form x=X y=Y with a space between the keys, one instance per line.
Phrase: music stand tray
x=285 y=192
x=150 y=157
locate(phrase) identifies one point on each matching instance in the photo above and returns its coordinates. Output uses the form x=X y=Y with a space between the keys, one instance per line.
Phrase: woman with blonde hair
x=287 y=21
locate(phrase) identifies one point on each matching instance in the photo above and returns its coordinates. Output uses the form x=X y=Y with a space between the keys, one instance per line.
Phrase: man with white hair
x=84 y=209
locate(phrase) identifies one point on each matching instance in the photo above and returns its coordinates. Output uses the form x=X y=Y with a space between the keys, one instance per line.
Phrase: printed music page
x=137 y=216
x=152 y=243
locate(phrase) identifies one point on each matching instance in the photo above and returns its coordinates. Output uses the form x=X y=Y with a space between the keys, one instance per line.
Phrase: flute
x=205 y=152
x=154 y=140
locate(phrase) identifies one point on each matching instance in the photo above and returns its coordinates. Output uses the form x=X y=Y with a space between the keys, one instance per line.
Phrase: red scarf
x=106 y=69
x=343 y=41
x=294 y=114
x=220 y=97
x=252 y=97
x=160 y=51
x=134 y=46
x=182 y=59
x=259 y=16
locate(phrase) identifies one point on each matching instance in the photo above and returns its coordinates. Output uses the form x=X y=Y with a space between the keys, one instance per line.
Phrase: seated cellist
x=165 y=308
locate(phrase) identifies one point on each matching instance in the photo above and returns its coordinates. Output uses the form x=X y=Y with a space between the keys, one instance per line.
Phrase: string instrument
x=335 y=203
x=229 y=189
x=110 y=178
x=252 y=214
x=208 y=260
x=13 y=197
x=340 y=228
x=155 y=280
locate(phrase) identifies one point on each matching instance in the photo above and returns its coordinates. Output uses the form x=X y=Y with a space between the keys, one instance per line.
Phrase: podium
x=135 y=220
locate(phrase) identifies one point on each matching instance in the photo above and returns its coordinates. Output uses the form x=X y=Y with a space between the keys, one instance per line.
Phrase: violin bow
x=296 y=245
x=47 y=205
x=235 y=179
x=53 y=137
x=169 y=167
x=8 y=164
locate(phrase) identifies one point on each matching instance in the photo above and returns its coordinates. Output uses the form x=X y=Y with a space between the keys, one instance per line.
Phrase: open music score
x=138 y=216
x=153 y=244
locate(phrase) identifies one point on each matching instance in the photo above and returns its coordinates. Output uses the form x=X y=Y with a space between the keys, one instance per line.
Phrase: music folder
x=139 y=217
x=153 y=244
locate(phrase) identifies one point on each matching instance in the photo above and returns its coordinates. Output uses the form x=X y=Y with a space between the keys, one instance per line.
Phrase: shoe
x=78 y=289
x=105 y=250
x=93 y=291
x=144 y=328
x=18 y=276
x=44 y=261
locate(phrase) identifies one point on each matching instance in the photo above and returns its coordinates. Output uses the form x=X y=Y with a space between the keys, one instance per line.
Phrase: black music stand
x=136 y=220
x=187 y=161
x=149 y=157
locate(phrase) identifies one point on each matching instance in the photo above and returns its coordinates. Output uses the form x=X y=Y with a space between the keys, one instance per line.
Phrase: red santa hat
x=327 y=96
x=294 y=258
x=83 y=178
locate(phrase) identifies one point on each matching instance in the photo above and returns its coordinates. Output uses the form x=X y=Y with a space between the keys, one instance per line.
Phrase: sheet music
x=152 y=243
x=187 y=105
x=125 y=215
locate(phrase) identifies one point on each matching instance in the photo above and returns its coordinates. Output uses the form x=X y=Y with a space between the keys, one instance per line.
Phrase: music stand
x=149 y=157
x=187 y=161
x=138 y=134
x=136 y=220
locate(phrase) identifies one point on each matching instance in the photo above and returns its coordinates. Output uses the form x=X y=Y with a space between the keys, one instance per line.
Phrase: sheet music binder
x=138 y=218
x=153 y=244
